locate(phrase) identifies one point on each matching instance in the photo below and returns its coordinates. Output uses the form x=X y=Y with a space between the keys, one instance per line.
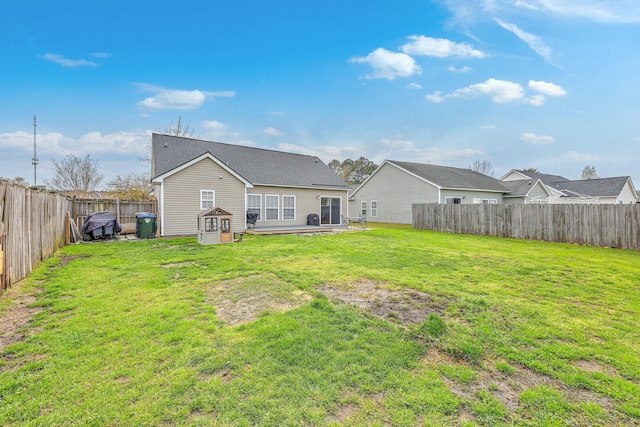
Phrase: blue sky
x=550 y=84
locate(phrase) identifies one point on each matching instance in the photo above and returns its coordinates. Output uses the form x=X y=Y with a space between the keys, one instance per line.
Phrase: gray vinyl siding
x=395 y=191
x=181 y=197
x=468 y=196
x=307 y=202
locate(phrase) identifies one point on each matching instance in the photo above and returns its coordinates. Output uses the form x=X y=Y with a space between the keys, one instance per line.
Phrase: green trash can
x=146 y=225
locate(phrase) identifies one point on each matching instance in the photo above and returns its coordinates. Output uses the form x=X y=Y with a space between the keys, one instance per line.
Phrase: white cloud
x=176 y=99
x=621 y=11
x=100 y=55
x=536 y=100
x=399 y=148
x=436 y=97
x=218 y=131
x=271 y=131
x=55 y=144
x=525 y=5
x=582 y=157
x=440 y=48
x=488 y=127
x=532 y=138
x=547 y=88
x=610 y=11
x=532 y=40
x=213 y=125
x=414 y=86
x=464 y=69
x=65 y=62
x=388 y=65
x=500 y=91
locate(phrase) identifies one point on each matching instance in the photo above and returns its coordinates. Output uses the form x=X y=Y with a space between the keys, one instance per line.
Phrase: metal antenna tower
x=34 y=161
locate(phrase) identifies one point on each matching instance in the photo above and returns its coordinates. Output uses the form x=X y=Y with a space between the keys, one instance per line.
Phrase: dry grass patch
x=244 y=299
x=403 y=305
x=16 y=318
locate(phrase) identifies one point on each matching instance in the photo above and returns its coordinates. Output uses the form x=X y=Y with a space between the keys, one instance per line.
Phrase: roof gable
x=255 y=165
x=523 y=187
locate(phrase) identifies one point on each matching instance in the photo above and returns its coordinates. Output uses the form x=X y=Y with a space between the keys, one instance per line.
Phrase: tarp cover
x=100 y=219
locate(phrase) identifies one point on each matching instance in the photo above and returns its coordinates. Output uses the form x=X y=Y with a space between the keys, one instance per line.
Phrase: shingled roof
x=256 y=165
x=598 y=187
x=549 y=180
x=452 y=178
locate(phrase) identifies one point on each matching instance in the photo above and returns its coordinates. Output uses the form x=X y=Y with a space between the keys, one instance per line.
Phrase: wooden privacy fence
x=32 y=228
x=616 y=226
x=124 y=210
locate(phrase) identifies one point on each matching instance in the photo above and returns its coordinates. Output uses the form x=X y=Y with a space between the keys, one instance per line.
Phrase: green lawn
x=169 y=332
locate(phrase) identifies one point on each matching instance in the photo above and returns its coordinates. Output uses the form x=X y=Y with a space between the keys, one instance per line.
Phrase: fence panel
x=32 y=229
x=616 y=226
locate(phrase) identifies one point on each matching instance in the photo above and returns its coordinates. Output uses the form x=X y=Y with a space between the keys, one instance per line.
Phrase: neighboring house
x=528 y=191
x=597 y=191
x=190 y=176
x=388 y=194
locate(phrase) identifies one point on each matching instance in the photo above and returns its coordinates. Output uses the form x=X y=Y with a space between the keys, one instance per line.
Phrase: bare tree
x=134 y=186
x=177 y=129
x=483 y=167
x=589 y=172
x=76 y=174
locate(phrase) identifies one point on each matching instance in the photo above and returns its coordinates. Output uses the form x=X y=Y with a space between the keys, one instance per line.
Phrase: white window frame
x=271 y=209
x=446 y=200
x=374 y=209
x=363 y=208
x=203 y=200
x=493 y=201
x=253 y=207
x=288 y=208
x=477 y=200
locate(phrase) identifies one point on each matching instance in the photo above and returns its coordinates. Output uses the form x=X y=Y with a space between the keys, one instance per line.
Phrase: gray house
x=562 y=190
x=388 y=194
x=190 y=176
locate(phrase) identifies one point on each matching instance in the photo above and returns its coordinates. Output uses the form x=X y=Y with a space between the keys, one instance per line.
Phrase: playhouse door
x=225 y=230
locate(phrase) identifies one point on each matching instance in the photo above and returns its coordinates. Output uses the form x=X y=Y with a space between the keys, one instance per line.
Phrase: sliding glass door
x=330 y=210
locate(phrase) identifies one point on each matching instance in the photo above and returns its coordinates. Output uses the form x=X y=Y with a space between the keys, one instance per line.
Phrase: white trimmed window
x=477 y=200
x=271 y=207
x=207 y=199
x=363 y=208
x=485 y=201
x=493 y=201
x=374 y=208
x=288 y=208
x=254 y=204
x=453 y=200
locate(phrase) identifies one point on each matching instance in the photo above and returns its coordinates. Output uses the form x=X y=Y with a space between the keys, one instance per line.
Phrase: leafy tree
x=353 y=172
x=76 y=174
x=483 y=167
x=532 y=170
x=589 y=172
x=134 y=186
